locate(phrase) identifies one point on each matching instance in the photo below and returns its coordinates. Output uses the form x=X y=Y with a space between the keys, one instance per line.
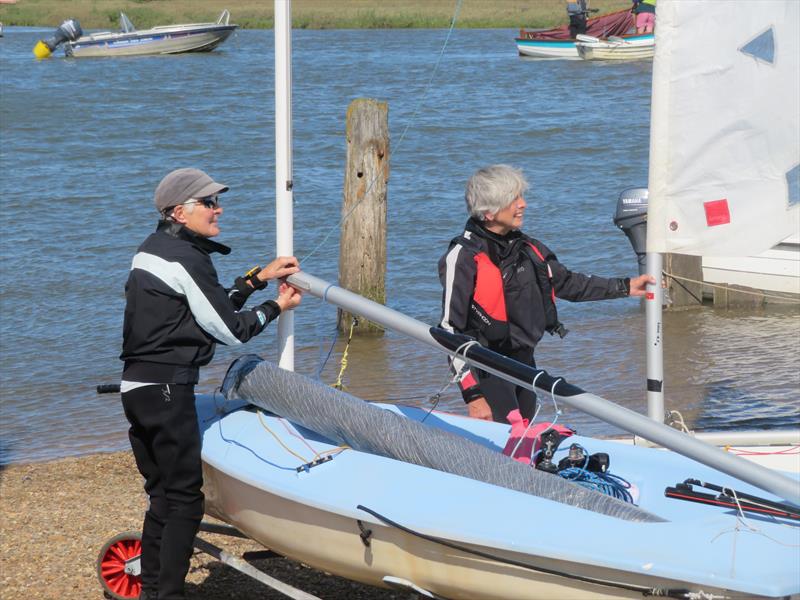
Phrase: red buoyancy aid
x=488 y=301
x=489 y=287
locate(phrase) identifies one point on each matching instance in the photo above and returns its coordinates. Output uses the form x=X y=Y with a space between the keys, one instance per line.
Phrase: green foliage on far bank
x=306 y=14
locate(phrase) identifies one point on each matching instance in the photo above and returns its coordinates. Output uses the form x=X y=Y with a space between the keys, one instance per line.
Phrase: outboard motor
x=69 y=30
x=631 y=217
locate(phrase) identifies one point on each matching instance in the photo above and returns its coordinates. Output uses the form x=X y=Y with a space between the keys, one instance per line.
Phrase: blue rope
x=605 y=483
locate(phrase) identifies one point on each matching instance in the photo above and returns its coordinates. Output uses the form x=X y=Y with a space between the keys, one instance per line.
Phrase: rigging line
x=277 y=439
x=343 y=362
x=322 y=362
x=451 y=379
x=533 y=418
x=685 y=289
x=317 y=455
x=437 y=396
x=402 y=135
x=556 y=411
x=730 y=289
x=792 y=449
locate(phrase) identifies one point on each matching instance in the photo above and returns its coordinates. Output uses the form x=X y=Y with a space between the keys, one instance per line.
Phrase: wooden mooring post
x=362 y=246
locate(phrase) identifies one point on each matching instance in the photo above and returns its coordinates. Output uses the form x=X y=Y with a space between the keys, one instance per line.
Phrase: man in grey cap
x=176 y=312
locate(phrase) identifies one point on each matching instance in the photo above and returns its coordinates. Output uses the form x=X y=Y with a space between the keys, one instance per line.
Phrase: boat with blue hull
x=388 y=522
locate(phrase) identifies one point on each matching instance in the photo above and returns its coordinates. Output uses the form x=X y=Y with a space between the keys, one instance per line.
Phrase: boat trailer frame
x=119 y=565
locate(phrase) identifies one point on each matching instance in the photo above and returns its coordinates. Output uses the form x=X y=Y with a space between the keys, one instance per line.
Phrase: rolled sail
x=350 y=421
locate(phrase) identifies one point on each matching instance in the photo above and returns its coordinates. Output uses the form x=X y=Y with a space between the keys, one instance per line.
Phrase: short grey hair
x=493 y=188
x=188 y=208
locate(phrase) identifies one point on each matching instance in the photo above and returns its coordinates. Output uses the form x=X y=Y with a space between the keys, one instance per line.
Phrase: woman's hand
x=639 y=284
x=281 y=267
x=479 y=409
x=288 y=297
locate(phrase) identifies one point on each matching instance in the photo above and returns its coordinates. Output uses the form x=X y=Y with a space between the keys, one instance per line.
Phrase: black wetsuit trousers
x=504 y=396
x=165 y=439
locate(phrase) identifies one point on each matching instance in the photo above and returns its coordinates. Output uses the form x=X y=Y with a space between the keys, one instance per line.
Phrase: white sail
x=725 y=131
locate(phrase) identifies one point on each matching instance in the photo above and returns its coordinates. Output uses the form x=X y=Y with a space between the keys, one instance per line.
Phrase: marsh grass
x=306 y=14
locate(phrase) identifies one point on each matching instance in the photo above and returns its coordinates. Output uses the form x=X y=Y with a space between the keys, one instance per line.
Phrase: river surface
x=83 y=144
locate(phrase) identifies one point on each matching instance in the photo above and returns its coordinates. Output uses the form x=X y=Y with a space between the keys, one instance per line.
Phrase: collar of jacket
x=500 y=246
x=177 y=230
x=477 y=227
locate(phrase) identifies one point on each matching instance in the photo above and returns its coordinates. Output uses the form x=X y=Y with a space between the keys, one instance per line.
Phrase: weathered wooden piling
x=362 y=246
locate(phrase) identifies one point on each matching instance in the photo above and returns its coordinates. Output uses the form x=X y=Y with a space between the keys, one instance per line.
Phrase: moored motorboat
x=632 y=47
x=166 y=39
x=557 y=42
x=129 y=41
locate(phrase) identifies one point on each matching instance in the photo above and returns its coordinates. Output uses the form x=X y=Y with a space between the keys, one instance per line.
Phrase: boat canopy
x=616 y=23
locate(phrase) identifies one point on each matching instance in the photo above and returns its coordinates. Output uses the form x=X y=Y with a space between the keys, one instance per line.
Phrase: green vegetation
x=306 y=14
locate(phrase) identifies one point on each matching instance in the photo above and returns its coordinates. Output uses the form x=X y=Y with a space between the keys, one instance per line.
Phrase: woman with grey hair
x=500 y=287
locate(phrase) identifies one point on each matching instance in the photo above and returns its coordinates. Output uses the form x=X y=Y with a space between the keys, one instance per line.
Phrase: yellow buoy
x=40 y=50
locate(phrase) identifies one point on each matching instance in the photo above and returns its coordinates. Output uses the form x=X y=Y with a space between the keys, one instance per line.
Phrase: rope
x=793 y=299
x=402 y=136
x=675 y=419
x=343 y=363
x=317 y=455
x=606 y=483
x=533 y=418
x=322 y=362
x=793 y=449
x=302 y=459
x=277 y=439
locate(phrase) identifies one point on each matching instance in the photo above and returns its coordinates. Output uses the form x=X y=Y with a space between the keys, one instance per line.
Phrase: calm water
x=85 y=142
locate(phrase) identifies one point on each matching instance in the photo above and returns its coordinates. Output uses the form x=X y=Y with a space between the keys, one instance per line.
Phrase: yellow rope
x=737 y=290
x=317 y=455
x=343 y=363
x=277 y=439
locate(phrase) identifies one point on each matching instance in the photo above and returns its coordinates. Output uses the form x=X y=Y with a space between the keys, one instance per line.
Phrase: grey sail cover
x=347 y=420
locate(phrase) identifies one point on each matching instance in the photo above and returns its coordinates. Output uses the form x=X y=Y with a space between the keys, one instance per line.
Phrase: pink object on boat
x=532 y=442
x=518 y=427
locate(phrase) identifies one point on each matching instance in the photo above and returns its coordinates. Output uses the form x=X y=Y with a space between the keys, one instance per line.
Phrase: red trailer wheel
x=118 y=567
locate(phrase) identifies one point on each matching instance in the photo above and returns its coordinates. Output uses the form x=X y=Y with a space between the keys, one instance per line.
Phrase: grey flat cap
x=184 y=184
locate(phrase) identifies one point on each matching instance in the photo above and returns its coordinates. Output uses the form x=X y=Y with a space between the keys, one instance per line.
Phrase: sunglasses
x=209 y=201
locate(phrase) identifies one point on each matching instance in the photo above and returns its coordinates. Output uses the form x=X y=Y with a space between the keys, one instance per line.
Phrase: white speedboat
x=165 y=39
x=635 y=47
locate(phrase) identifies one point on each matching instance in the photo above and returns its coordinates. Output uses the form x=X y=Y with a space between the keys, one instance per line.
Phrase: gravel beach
x=55 y=517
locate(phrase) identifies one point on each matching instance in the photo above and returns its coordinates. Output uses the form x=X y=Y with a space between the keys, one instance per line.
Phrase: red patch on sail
x=717 y=212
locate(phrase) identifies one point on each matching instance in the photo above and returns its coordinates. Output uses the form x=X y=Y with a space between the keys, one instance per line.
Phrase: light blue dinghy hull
x=367 y=517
